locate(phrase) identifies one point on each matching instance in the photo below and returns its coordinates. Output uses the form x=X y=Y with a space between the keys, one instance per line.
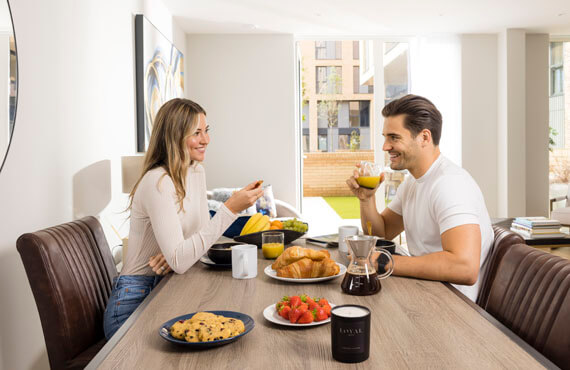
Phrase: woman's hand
x=244 y=198
x=159 y=264
x=361 y=193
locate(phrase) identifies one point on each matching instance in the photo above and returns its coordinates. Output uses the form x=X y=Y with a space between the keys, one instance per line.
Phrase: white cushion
x=562 y=215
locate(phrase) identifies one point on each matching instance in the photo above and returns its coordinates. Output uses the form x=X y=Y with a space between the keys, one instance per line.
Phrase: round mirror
x=8 y=80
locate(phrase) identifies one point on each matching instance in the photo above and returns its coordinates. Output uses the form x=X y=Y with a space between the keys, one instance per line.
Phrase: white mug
x=343 y=232
x=244 y=261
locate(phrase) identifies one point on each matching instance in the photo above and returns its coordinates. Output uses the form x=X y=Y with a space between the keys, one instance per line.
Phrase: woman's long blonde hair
x=175 y=121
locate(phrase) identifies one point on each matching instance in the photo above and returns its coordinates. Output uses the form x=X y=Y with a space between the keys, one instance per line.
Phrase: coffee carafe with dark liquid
x=361 y=277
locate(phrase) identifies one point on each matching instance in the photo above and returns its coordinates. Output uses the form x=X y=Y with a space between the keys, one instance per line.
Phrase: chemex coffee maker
x=361 y=277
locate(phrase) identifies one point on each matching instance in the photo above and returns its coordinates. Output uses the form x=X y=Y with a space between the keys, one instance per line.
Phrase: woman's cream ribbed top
x=158 y=226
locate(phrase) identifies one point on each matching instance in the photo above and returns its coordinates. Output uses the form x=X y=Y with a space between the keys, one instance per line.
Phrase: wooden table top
x=414 y=323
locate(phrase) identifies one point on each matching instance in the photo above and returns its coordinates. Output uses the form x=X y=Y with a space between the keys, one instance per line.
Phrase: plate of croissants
x=304 y=265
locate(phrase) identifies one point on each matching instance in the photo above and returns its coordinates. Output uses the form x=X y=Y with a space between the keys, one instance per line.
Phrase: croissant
x=295 y=253
x=307 y=268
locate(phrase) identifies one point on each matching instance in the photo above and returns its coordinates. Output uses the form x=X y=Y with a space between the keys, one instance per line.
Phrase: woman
x=170 y=224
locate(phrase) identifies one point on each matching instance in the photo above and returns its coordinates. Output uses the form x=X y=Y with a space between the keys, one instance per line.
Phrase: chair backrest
x=504 y=239
x=70 y=269
x=530 y=294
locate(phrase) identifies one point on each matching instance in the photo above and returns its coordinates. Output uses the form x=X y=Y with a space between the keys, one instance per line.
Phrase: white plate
x=270 y=313
x=273 y=274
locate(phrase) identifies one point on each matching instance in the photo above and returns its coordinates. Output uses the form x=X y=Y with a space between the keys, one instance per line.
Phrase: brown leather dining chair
x=504 y=239
x=529 y=293
x=70 y=269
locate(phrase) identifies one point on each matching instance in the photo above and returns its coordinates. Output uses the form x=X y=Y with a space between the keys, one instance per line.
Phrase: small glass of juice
x=369 y=174
x=272 y=244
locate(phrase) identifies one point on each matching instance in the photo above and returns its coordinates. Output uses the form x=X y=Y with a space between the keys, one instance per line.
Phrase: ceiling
x=370 y=17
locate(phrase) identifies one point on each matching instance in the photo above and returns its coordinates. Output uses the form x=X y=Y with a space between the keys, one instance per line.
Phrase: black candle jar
x=350 y=333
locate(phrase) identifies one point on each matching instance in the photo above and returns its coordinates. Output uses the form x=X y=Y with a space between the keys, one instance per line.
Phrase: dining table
x=415 y=323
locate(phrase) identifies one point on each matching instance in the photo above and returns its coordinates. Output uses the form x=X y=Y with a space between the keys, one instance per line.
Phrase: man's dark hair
x=419 y=113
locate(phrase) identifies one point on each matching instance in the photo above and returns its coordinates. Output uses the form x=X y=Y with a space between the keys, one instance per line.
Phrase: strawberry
x=306 y=318
x=309 y=300
x=294 y=315
x=313 y=305
x=327 y=309
x=295 y=300
x=303 y=307
x=284 y=313
x=278 y=306
x=320 y=314
x=304 y=298
x=322 y=302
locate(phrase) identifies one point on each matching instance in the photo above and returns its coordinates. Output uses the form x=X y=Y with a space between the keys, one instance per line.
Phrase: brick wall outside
x=325 y=174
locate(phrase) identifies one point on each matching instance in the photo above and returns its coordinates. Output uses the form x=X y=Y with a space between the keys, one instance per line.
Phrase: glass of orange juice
x=272 y=244
x=369 y=174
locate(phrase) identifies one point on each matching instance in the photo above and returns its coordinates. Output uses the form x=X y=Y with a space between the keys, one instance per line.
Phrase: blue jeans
x=128 y=293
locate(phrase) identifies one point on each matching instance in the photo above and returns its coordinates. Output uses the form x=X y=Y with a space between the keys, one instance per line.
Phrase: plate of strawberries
x=299 y=310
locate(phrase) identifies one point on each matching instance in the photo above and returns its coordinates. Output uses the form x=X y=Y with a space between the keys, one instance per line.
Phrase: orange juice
x=272 y=250
x=368 y=181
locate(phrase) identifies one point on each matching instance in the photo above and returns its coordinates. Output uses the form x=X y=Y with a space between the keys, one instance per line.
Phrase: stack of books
x=537 y=227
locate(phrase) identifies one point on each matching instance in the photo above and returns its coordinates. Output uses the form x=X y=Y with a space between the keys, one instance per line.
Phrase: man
x=440 y=207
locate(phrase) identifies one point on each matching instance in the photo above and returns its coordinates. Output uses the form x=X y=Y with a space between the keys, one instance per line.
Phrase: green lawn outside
x=345 y=207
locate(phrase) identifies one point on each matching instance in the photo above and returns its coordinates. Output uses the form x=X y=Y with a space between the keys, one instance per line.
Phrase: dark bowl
x=248 y=322
x=389 y=245
x=221 y=253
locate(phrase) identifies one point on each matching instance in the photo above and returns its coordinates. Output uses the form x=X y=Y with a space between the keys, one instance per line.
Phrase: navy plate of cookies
x=207 y=329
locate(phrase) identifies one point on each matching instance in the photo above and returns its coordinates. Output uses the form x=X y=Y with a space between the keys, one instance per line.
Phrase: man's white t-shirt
x=446 y=196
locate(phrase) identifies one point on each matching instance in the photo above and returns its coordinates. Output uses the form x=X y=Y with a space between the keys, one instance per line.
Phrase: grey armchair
x=561 y=214
x=283 y=209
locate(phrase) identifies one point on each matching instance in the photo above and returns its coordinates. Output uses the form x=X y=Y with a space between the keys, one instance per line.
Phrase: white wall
x=479 y=113
x=436 y=75
x=246 y=83
x=76 y=110
x=537 y=48
x=505 y=120
x=512 y=123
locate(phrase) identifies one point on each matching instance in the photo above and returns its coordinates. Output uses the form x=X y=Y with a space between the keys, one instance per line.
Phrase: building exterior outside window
x=338 y=107
x=329 y=80
x=559 y=119
x=355 y=50
x=557 y=100
x=357 y=87
x=325 y=50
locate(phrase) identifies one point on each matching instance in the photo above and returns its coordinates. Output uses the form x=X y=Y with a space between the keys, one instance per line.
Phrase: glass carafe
x=361 y=277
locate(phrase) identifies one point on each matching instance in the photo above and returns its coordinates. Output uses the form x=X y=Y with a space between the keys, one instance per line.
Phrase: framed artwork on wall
x=159 y=71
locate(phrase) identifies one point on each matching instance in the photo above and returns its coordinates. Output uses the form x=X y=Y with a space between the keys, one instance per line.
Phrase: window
x=354 y=113
x=343 y=142
x=359 y=113
x=355 y=50
x=357 y=88
x=327 y=113
x=556 y=68
x=323 y=143
x=306 y=143
x=557 y=101
x=329 y=80
x=364 y=113
x=328 y=50
x=395 y=70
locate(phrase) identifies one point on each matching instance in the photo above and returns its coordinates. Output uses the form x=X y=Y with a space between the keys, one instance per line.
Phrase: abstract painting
x=159 y=76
